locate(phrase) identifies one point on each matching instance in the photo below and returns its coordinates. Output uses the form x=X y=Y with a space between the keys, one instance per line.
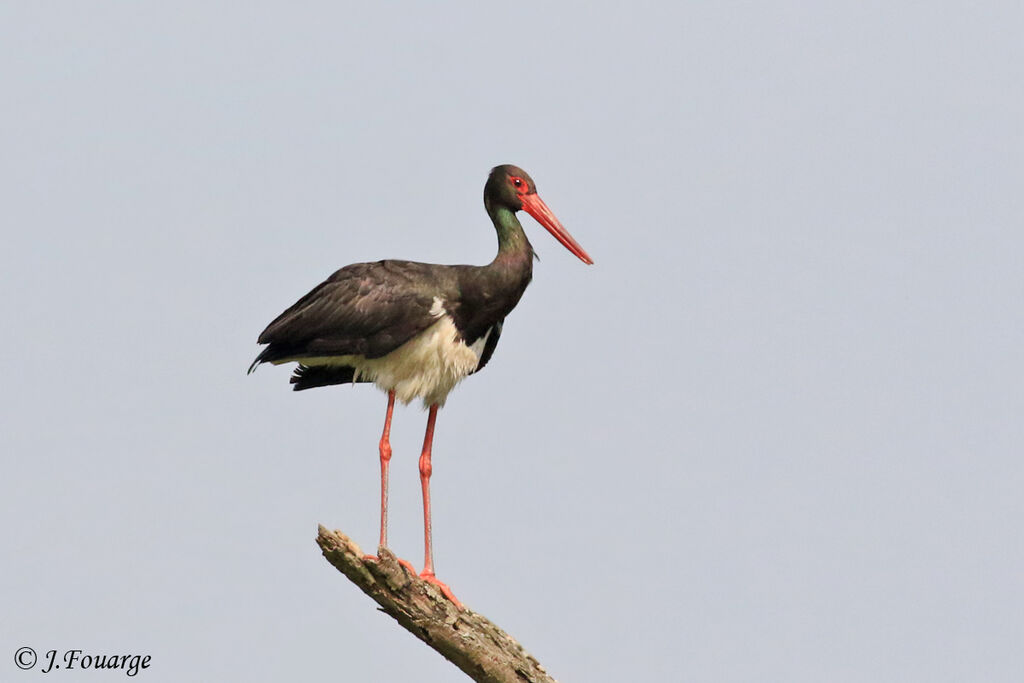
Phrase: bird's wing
x=366 y=309
x=489 y=345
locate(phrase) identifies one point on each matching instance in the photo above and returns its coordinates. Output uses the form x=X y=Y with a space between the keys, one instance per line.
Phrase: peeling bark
x=467 y=639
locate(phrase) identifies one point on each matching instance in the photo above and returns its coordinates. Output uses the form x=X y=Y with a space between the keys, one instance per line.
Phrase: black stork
x=415 y=329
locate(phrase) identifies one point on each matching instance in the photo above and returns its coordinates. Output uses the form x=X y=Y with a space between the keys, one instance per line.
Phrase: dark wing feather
x=367 y=309
x=490 y=345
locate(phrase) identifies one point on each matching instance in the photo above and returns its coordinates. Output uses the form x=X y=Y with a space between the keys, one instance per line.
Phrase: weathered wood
x=467 y=639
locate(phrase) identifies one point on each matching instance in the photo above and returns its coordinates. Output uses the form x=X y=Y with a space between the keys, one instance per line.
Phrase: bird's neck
x=513 y=246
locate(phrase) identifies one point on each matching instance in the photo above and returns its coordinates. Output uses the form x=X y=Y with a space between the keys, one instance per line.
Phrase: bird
x=415 y=330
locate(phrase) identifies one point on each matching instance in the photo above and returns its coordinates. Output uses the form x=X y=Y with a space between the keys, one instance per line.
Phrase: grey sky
x=774 y=434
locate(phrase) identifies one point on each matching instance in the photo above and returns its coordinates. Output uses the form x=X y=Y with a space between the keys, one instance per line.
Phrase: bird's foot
x=405 y=563
x=429 y=577
x=445 y=590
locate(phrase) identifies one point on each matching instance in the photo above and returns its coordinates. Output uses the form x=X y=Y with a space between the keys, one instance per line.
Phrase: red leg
x=425 y=472
x=385 y=458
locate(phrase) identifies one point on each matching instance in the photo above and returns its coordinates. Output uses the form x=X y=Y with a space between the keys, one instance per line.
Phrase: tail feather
x=311 y=376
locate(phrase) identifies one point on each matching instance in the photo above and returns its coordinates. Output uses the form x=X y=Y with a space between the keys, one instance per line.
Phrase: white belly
x=428 y=366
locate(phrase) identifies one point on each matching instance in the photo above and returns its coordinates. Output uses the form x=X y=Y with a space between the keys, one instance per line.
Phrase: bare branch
x=466 y=639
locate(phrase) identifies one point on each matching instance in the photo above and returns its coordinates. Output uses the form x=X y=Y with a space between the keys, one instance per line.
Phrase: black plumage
x=371 y=309
x=366 y=309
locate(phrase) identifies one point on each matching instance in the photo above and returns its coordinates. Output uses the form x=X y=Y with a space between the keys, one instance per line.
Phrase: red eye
x=518 y=182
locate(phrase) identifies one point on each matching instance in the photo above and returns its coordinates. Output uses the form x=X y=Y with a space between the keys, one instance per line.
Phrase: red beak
x=535 y=206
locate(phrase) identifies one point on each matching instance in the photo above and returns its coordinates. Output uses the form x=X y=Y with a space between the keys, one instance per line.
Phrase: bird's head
x=511 y=187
